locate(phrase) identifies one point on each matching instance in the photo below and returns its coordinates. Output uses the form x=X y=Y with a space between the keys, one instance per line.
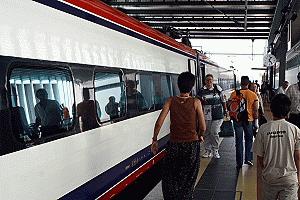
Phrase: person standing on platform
x=214 y=105
x=261 y=118
x=282 y=89
x=293 y=92
x=246 y=113
x=258 y=86
x=277 y=146
x=182 y=161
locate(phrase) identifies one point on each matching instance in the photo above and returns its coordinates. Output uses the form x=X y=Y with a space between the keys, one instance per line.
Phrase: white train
x=292 y=66
x=68 y=48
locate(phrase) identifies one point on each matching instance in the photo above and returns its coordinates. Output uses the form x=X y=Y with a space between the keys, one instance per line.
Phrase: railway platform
x=219 y=179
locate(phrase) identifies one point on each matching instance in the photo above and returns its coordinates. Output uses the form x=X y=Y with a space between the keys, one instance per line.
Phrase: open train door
x=192 y=67
x=200 y=70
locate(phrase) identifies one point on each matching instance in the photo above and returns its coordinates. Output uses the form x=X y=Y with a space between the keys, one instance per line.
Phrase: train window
x=166 y=87
x=192 y=69
x=158 y=103
x=132 y=101
x=42 y=100
x=145 y=86
x=108 y=90
x=174 y=85
x=162 y=89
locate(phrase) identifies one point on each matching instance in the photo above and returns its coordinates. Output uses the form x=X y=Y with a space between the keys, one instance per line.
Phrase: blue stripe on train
x=103 y=182
x=92 y=18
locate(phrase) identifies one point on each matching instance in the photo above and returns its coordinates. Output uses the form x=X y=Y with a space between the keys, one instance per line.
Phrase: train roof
x=103 y=10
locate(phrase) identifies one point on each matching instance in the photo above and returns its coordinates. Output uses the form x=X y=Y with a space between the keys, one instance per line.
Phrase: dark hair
x=245 y=80
x=86 y=93
x=186 y=81
x=41 y=94
x=280 y=105
x=209 y=75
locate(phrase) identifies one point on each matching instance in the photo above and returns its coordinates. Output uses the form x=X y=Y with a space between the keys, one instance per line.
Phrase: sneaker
x=249 y=162
x=216 y=154
x=207 y=154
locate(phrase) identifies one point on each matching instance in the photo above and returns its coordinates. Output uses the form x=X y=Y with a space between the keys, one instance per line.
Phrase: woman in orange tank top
x=182 y=161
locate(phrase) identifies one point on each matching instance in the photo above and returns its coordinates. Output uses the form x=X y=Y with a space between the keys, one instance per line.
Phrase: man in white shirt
x=282 y=89
x=214 y=106
x=277 y=146
x=293 y=92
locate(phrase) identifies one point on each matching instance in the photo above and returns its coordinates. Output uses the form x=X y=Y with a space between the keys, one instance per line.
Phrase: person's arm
x=261 y=103
x=201 y=120
x=223 y=100
x=159 y=122
x=106 y=109
x=297 y=162
x=259 y=168
x=255 y=106
x=288 y=92
x=37 y=117
x=224 y=108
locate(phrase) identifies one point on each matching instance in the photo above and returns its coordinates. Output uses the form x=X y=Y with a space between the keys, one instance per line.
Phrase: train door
x=192 y=67
x=200 y=71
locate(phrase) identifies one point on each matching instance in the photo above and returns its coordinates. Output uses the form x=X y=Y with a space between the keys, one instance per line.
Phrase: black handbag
x=227 y=129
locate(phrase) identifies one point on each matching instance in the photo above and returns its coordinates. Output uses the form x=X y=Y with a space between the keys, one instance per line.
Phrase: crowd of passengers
x=199 y=119
x=193 y=120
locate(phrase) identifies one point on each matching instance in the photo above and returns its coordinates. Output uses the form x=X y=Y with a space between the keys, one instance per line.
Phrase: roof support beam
x=217 y=4
x=246 y=13
x=193 y=24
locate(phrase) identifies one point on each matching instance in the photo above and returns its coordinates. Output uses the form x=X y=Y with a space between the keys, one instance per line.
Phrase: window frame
x=103 y=69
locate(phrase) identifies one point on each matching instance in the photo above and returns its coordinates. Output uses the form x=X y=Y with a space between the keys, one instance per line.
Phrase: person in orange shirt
x=244 y=126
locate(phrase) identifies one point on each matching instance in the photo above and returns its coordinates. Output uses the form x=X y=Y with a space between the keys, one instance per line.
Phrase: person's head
x=280 y=106
x=41 y=94
x=112 y=99
x=86 y=94
x=298 y=77
x=256 y=81
x=185 y=82
x=253 y=87
x=130 y=86
x=245 y=81
x=209 y=79
x=285 y=84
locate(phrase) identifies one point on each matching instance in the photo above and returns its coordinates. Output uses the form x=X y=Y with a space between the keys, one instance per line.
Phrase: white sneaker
x=216 y=154
x=207 y=154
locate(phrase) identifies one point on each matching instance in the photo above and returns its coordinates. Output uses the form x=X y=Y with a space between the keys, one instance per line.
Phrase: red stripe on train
x=101 y=9
x=132 y=177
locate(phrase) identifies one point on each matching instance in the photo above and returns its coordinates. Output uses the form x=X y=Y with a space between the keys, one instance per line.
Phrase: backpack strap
x=216 y=89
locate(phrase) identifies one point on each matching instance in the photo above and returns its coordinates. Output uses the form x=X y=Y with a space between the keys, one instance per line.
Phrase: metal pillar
x=281 y=54
x=271 y=76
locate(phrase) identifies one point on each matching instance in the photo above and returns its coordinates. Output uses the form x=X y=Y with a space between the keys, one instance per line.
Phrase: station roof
x=215 y=19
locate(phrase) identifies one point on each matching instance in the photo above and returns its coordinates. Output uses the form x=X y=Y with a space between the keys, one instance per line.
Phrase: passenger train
x=83 y=51
x=292 y=66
